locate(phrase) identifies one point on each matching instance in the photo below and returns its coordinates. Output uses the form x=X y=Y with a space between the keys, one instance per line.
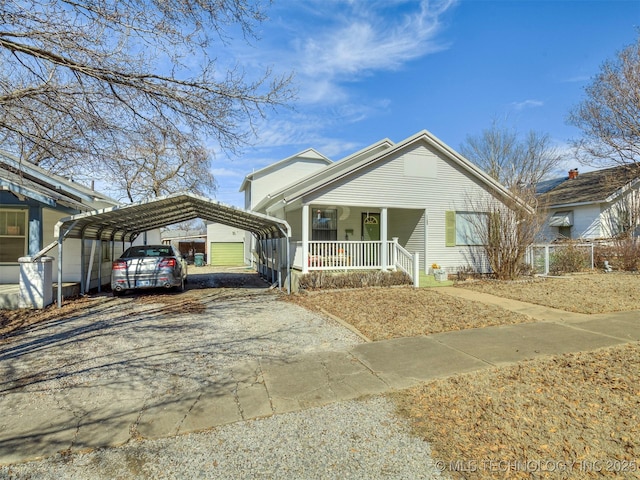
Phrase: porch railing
x=403 y=259
x=328 y=255
x=355 y=255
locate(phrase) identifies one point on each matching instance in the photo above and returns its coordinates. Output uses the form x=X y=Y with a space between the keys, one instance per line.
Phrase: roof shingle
x=594 y=186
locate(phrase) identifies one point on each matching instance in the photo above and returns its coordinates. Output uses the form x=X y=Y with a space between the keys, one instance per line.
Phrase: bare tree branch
x=512 y=161
x=609 y=116
x=82 y=81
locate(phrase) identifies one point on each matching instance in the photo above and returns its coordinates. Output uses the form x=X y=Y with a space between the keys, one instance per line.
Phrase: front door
x=371 y=227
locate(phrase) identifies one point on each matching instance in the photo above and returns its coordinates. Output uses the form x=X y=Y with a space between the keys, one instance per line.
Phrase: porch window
x=464 y=228
x=325 y=224
x=13 y=235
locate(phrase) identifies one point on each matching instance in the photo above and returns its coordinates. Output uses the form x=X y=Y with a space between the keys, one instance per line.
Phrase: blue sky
x=372 y=69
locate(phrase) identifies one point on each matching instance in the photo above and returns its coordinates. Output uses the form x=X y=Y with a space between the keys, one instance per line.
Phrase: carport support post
x=274 y=256
x=59 y=292
x=82 y=265
x=288 y=265
x=100 y=265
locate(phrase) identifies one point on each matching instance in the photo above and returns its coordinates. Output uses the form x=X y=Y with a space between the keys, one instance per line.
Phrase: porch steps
x=430 y=281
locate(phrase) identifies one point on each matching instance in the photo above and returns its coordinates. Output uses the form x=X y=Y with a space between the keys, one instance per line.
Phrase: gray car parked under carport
x=148 y=266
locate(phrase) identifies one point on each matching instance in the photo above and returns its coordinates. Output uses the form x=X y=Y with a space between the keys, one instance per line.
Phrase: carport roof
x=126 y=222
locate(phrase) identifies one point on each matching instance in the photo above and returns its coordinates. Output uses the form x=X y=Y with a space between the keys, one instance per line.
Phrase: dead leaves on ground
x=568 y=411
x=582 y=293
x=383 y=313
x=174 y=304
x=13 y=321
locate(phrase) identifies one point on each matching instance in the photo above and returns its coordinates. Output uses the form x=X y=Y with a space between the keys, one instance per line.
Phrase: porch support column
x=305 y=238
x=384 y=261
x=426 y=241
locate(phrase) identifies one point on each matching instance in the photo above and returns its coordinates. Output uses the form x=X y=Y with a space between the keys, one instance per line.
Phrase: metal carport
x=125 y=223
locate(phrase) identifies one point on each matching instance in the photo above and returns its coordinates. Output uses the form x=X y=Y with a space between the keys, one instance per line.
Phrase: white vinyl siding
x=586 y=221
x=409 y=227
x=268 y=182
x=386 y=185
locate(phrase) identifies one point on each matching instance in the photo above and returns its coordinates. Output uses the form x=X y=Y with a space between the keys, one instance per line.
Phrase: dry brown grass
x=587 y=293
x=578 y=412
x=383 y=313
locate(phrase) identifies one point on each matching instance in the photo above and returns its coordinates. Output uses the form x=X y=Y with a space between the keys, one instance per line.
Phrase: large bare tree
x=82 y=81
x=513 y=160
x=501 y=232
x=505 y=229
x=609 y=116
x=157 y=164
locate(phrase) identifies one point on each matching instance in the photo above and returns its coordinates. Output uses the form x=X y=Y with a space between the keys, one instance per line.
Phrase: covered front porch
x=346 y=238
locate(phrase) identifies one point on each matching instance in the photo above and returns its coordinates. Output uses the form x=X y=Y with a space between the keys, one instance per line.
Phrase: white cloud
x=330 y=45
x=363 y=38
x=227 y=172
x=527 y=104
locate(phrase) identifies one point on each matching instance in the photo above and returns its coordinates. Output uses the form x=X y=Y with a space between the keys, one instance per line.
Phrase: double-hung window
x=325 y=224
x=13 y=234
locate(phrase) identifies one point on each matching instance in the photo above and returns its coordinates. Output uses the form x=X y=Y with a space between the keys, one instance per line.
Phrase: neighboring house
x=594 y=205
x=32 y=201
x=188 y=242
x=378 y=207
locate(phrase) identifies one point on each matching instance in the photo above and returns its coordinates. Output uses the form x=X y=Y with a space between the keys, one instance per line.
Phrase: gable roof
x=309 y=153
x=25 y=179
x=591 y=187
x=365 y=158
x=329 y=172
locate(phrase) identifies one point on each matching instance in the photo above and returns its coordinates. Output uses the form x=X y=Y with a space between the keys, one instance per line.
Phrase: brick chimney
x=573 y=173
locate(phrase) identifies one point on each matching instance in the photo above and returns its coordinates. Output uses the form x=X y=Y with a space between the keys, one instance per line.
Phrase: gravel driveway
x=181 y=343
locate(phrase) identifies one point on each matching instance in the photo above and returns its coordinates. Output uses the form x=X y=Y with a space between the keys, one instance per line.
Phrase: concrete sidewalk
x=74 y=421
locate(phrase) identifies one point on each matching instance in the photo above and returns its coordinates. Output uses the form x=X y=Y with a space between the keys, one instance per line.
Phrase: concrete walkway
x=74 y=422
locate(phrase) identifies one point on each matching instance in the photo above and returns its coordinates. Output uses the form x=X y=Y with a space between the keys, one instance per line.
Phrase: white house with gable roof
x=378 y=207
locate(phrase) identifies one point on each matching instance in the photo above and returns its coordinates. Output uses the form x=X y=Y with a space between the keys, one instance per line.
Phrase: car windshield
x=146 y=251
